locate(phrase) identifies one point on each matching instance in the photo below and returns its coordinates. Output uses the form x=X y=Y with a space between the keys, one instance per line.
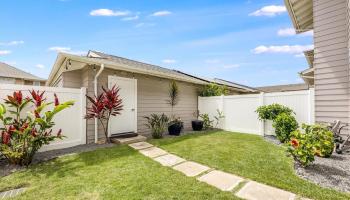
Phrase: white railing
x=71 y=120
x=240 y=115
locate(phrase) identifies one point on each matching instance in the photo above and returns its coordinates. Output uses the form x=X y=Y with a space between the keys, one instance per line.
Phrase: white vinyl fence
x=240 y=115
x=71 y=120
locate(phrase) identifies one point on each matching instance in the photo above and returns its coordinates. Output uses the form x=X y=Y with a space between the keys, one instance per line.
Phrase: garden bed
x=330 y=172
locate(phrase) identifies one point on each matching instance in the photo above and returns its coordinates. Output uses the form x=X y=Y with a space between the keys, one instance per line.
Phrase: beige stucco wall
x=331 y=38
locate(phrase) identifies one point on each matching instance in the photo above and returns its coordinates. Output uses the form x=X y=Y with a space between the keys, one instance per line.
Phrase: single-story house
x=284 y=88
x=13 y=75
x=144 y=89
x=330 y=22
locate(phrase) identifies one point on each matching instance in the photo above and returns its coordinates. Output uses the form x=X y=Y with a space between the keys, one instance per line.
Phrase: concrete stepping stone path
x=223 y=181
x=11 y=193
x=169 y=160
x=191 y=169
x=257 y=191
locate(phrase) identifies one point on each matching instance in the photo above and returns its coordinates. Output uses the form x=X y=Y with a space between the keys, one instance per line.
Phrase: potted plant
x=175 y=125
x=197 y=125
x=157 y=124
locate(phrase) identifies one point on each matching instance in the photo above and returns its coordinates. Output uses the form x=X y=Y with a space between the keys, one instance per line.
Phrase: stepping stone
x=129 y=140
x=11 y=193
x=153 y=152
x=191 y=169
x=169 y=160
x=221 y=180
x=140 y=145
x=257 y=191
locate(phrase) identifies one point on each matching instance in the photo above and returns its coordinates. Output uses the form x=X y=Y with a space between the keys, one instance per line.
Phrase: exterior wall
x=151 y=98
x=72 y=79
x=331 y=38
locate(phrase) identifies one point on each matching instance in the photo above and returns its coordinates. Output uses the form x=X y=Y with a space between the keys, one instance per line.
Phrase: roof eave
x=292 y=13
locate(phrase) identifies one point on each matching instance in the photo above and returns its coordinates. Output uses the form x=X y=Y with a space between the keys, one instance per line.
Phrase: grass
x=249 y=156
x=112 y=173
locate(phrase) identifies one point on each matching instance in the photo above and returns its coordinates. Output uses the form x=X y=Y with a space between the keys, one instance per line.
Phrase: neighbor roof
x=13 y=72
x=284 y=88
x=231 y=84
x=301 y=12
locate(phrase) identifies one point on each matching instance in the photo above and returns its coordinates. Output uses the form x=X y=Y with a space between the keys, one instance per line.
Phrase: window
x=5 y=80
x=36 y=83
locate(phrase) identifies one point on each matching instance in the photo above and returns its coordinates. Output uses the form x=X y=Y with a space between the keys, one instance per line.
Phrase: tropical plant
x=207 y=122
x=284 y=125
x=213 y=89
x=23 y=135
x=301 y=148
x=105 y=105
x=173 y=95
x=322 y=137
x=220 y=115
x=157 y=124
x=270 y=112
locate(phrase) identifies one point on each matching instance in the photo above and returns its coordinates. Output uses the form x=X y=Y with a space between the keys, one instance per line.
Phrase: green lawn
x=111 y=173
x=246 y=155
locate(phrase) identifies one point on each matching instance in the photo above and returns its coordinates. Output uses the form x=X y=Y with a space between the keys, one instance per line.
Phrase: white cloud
x=291 y=49
x=12 y=43
x=4 y=52
x=291 y=32
x=40 y=66
x=270 y=11
x=66 y=50
x=136 y=17
x=231 y=66
x=161 y=13
x=109 y=13
x=169 y=61
x=60 y=49
x=139 y=25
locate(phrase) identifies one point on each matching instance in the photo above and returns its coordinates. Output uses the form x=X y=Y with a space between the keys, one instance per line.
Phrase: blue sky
x=246 y=41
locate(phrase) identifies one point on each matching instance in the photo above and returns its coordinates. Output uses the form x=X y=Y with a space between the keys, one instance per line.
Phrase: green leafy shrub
x=284 y=125
x=207 y=122
x=270 y=112
x=213 y=89
x=323 y=139
x=301 y=148
x=157 y=124
x=23 y=135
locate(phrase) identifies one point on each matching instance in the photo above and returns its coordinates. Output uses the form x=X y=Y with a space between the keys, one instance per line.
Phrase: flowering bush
x=316 y=140
x=284 y=125
x=23 y=135
x=301 y=148
x=104 y=106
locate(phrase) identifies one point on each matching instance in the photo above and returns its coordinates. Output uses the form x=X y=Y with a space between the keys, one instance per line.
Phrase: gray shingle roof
x=13 y=72
x=138 y=64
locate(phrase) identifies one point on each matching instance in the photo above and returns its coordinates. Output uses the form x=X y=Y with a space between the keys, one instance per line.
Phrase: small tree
x=105 y=105
x=23 y=135
x=173 y=95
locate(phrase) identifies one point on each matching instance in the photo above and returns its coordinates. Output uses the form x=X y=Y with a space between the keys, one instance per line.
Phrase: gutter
x=95 y=90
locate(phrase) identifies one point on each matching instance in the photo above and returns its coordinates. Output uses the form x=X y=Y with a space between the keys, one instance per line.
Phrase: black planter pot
x=175 y=129
x=197 y=125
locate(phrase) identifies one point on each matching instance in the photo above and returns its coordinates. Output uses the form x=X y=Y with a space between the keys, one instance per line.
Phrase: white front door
x=127 y=120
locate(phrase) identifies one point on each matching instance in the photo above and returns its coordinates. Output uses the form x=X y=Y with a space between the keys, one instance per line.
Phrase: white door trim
x=135 y=93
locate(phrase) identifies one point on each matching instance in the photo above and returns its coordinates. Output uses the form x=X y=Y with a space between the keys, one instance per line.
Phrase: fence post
x=311 y=111
x=261 y=122
x=83 y=113
x=222 y=109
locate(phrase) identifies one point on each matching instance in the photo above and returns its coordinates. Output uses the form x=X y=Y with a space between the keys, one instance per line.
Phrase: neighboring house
x=284 y=88
x=144 y=89
x=330 y=22
x=13 y=75
x=308 y=74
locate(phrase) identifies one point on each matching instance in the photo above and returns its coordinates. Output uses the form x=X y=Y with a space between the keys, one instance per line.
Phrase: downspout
x=95 y=90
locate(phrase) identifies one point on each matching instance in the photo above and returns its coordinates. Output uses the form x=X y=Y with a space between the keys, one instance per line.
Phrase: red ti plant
x=22 y=134
x=105 y=105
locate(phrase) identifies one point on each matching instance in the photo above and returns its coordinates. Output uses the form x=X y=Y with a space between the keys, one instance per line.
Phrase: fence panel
x=71 y=120
x=239 y=110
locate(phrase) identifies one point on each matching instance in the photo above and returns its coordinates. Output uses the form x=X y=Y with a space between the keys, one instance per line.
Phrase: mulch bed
x=333 y=172
x=6 y=169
